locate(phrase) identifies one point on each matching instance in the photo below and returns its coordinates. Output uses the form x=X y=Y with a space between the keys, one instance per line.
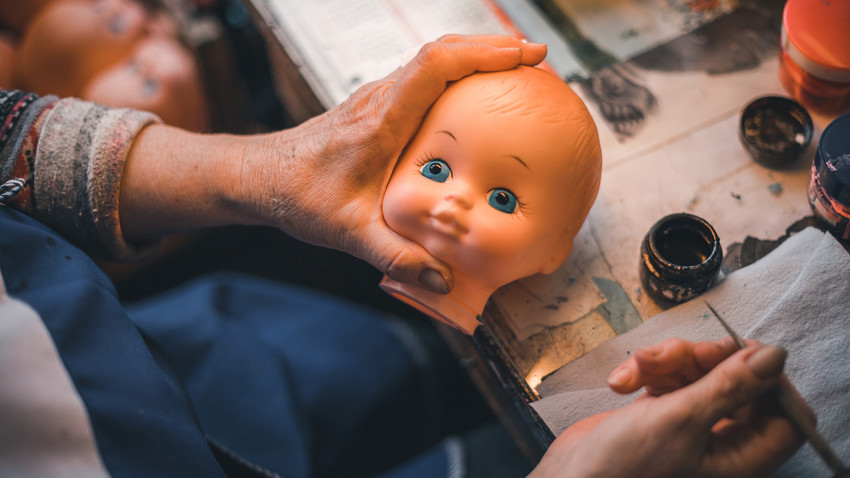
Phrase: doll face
x=96 y=24
x=159 y=76
x=72 y=40
x=485 y=191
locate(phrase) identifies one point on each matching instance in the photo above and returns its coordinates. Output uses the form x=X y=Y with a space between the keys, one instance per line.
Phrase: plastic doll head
x=496 y=183
x=160 y=76
x=15 y=15
x=72 y=40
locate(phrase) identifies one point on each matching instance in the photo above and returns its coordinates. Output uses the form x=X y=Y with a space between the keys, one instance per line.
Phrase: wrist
x=175 y=180
x=224 y=180
x=276 y=174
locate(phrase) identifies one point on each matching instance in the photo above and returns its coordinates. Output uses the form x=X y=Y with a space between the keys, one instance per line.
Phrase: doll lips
x=444 y=222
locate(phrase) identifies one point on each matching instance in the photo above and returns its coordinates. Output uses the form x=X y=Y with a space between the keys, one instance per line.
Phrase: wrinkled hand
x=705 y=415
x=323 y=181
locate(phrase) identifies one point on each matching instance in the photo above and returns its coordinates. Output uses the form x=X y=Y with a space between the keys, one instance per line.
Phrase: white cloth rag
x=797 y=297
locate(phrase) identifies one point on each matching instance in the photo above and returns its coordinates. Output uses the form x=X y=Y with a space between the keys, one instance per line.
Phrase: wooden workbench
x=668 y=117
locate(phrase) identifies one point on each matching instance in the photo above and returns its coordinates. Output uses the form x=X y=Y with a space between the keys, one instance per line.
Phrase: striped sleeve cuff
x=80 y=158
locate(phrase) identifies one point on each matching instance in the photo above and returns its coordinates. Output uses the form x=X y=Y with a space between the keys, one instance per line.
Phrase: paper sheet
x=347 y=43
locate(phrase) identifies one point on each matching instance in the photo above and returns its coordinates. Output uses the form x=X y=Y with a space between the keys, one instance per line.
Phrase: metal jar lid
x=775 y=130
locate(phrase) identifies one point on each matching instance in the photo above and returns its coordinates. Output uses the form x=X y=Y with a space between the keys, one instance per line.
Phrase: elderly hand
x=705 y=415
x=323 y=181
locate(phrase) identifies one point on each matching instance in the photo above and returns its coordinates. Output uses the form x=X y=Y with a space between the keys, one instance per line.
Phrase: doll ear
x=557 y=258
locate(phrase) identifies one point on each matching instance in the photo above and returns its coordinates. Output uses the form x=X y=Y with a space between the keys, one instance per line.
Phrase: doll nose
x=458 y=197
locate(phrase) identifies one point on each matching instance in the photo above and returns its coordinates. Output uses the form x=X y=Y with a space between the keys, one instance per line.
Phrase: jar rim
x=692 y=223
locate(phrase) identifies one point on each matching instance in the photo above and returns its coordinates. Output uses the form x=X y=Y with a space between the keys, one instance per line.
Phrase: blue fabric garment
x=286 y=379
x=143 y=422
x=300 y=383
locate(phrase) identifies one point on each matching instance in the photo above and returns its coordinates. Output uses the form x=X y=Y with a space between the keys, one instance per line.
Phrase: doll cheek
x=400 y=209
x=500 y=238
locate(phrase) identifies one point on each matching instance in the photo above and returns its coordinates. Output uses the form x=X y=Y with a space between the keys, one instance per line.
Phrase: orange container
x=815 y=53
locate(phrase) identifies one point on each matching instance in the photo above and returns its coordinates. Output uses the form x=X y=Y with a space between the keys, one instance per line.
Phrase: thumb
x=734 y=383
x=406 y=261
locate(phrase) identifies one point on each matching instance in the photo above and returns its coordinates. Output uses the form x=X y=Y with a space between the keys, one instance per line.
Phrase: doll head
x=159 y=75
x=14 y=16
x=69 y=41
x=7 y=56
x=496 y=183
x=119 y=53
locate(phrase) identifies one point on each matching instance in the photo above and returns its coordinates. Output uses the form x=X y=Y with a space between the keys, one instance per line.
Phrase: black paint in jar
x=680 y=258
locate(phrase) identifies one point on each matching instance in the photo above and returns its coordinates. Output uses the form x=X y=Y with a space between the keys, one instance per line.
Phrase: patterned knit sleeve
x=20 y=115
x=70 y=155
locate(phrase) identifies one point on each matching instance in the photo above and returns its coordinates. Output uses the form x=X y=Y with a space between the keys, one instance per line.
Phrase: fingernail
x=433 y=281
x=619 y=377
x=767 y=362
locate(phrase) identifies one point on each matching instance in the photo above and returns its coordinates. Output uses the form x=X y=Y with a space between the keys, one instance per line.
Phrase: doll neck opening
x=449 y=308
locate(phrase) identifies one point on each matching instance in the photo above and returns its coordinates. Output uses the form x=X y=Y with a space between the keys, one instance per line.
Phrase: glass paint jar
x=680 y=258
x=829 y=187
x=815 y=54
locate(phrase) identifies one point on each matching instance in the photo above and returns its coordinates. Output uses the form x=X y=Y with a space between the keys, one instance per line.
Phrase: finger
x=779 y=441
x=666 y=357
x=708 y=355
x=628 y=378
x=753 y=443
x=676 y=354
x=406 y=261
x=532 y=53
x=660 y=368
x=683 y=363
x=625 y=378
x=670 y=365
x=754 y=447
x=737 y=381
x=419 y=83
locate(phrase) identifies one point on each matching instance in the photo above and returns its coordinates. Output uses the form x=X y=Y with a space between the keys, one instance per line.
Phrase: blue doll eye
x=502 y=200
x=436 y=170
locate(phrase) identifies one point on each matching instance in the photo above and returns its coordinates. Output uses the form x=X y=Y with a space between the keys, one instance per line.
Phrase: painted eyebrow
x=507 y=155
x=518 y=159
x=448 y=133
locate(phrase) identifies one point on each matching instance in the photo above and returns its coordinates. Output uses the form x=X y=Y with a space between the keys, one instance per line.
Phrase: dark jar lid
x=680 y=257
x=832 y=159
x=775 y=130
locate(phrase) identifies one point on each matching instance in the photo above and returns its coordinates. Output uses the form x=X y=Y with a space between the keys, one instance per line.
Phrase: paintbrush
x=795 y=412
